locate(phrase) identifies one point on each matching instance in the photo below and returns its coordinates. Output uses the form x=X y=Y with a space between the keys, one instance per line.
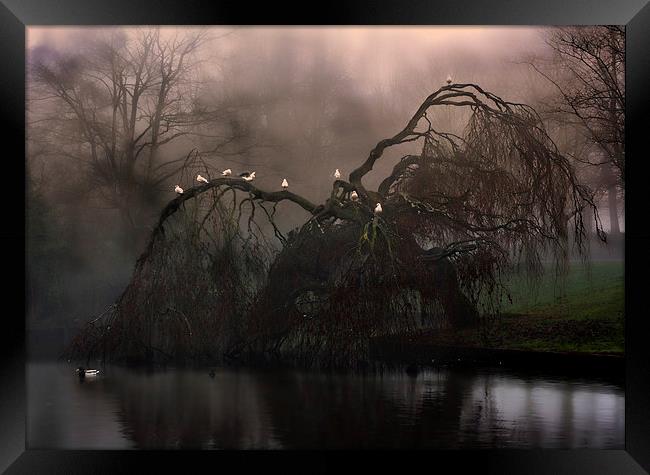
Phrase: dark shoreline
x=404 y=352
x=569 y=363
x=416 y=357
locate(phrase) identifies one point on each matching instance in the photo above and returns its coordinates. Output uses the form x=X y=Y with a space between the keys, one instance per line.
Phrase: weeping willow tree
x=219 y=279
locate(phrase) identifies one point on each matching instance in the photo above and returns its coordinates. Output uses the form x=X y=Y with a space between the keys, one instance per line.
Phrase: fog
x=287 y=102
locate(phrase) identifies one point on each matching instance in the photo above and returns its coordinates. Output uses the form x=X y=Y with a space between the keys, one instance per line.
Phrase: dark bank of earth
x=418 y=351
x=578 y=345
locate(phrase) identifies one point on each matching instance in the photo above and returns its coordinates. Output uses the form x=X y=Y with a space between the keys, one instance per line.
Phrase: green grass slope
x=582 y=311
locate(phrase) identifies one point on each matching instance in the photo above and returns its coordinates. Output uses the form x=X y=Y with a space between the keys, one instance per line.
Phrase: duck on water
x=83 y=372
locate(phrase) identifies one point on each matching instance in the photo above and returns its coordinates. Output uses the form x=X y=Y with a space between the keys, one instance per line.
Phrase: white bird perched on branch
x=448 y=79
x=354 y=196
x=337 y=174
x=248 y=176
x=285 y=184
x=378 y=209
x=199 y=178
x=178 y=190
x=226 y=172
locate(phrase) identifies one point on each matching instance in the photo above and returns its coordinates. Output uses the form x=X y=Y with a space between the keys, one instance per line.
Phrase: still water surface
x=275 y=409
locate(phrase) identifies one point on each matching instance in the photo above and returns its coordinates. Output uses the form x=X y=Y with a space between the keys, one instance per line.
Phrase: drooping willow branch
x=333 y=207
x=233 y=183
x=447 y=95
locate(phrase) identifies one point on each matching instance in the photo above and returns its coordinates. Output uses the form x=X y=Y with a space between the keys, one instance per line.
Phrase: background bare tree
x=115 y=106
x=587 y=69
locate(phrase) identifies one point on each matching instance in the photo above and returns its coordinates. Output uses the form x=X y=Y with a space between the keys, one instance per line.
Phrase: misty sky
x=369 y=54
x=407 y=62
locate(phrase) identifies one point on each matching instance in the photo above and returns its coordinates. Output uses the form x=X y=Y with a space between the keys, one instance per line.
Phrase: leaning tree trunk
x=324 y=264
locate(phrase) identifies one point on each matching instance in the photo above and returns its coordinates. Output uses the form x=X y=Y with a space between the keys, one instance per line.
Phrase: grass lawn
x=582 y=312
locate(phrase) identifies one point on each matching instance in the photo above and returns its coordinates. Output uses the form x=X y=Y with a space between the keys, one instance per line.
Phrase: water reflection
x=245 y=409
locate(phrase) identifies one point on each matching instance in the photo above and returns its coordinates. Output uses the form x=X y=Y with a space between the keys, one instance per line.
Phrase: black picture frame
x=15 y=15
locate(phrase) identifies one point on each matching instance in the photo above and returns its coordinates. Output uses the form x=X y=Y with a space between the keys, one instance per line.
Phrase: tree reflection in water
x=256 y=409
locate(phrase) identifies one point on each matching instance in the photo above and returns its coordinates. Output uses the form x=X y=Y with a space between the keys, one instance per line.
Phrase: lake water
x=276 y=409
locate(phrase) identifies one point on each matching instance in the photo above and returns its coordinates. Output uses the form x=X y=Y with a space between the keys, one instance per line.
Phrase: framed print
x=355 y=238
